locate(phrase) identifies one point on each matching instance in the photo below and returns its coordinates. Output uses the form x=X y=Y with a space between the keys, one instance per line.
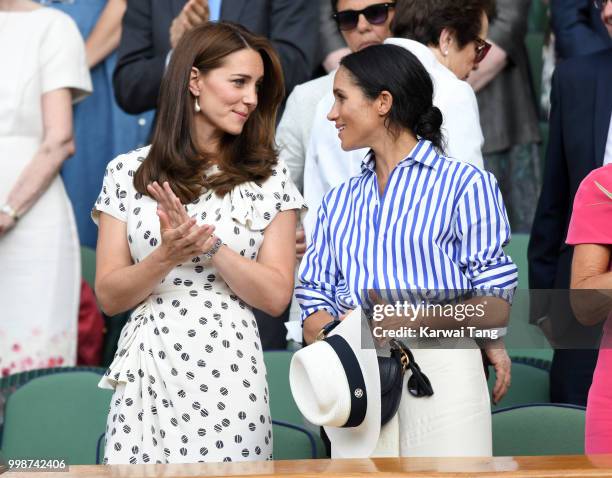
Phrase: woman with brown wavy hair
x=194 y=231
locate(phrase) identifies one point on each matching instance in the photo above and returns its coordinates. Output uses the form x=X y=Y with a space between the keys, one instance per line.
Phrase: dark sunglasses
x=600 y=4
x=482 y=48
x=375 y=14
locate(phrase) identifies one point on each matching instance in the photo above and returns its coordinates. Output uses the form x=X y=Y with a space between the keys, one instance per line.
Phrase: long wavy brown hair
x=174 y=156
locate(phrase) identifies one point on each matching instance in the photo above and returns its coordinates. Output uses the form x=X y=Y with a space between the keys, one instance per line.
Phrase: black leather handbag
x=392 y=370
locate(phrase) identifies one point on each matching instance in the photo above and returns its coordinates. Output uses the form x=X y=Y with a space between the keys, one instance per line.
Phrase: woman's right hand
x=182 y=239
x=181 y=244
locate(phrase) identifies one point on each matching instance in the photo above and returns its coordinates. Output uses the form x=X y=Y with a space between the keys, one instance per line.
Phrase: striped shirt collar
x=423 y=153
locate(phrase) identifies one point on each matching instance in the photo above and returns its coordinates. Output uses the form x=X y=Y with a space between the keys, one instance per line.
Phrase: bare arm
x=105 y=36
x=120 y=284
x=56 y=147
x=268 y=283
x=591 y=283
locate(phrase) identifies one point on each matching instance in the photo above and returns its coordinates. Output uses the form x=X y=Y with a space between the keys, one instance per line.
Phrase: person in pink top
x=590 y=232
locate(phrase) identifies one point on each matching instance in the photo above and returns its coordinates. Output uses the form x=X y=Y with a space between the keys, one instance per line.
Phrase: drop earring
x=197 y=106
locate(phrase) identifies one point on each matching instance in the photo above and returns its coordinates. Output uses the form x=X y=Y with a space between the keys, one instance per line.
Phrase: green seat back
x=541 y=357
x=517 y=250
x=537 y=20
x=523 y=339
x=538 y=430
x=529 y=385
x=282 y=406
x=56 y=416
x=292 y=442
x=88 y=265
x=535 y=46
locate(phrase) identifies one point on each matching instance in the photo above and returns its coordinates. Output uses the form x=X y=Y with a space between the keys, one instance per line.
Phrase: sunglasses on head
x=375 y=14
x=482 y=48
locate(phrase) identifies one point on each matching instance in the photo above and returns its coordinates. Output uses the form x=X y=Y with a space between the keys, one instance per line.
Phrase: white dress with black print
x=189 y=376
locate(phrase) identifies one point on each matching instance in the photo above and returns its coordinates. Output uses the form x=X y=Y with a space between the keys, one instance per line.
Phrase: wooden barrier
x=576 y=466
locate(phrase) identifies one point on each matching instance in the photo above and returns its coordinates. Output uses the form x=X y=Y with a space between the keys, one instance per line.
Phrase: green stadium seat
x=292 y=442
x=517 y=250
x=88 y=265
x=530 y=385
x=56 y=416
x=537 y=20
x=524 y=340
x=541 y=358
x=282 y=406
x=538 y=430
x=535 y=46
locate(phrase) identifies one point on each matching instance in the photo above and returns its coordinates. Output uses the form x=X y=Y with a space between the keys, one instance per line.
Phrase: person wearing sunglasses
x=508 y=113
x=361 y=23
x=372 y=26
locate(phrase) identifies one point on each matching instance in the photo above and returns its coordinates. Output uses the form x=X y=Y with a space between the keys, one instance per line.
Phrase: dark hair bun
x=428 y=125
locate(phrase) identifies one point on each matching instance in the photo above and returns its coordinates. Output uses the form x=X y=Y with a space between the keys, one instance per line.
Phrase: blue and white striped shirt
x=439 y=225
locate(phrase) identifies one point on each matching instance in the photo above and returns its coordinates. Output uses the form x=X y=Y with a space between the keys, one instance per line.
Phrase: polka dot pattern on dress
x=189 y=375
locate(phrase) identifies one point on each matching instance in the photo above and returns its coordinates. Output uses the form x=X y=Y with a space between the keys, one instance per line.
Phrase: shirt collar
x=423 y=54
x=423 y=153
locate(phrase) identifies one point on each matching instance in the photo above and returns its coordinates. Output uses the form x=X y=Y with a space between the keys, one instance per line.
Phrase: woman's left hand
x=169 y=203
x=6 y=223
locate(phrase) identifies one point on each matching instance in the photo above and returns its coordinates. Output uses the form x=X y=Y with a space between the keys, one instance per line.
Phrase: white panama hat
x=335 y=383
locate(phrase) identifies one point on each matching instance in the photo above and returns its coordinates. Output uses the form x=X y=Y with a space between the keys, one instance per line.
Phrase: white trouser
x=455 y=421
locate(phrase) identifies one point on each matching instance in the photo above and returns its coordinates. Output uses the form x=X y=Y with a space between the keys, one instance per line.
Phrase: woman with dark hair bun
x=194 y=232
x=413 y=220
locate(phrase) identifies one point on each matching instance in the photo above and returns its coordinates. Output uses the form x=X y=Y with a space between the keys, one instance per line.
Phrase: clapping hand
x=182 y=238
x=194 y=13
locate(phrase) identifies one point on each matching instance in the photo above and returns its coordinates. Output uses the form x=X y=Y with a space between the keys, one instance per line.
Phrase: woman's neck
x=391 y=150
x=207 y=138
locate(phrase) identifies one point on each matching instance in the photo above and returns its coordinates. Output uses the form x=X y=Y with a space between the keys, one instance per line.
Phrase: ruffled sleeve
x=256 y=204
x=592 y=213
x=116 y=185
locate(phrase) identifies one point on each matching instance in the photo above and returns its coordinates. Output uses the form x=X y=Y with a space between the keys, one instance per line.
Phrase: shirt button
x=142 y=121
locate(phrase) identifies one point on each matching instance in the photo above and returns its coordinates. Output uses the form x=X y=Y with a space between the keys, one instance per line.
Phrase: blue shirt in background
x=214 y=7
